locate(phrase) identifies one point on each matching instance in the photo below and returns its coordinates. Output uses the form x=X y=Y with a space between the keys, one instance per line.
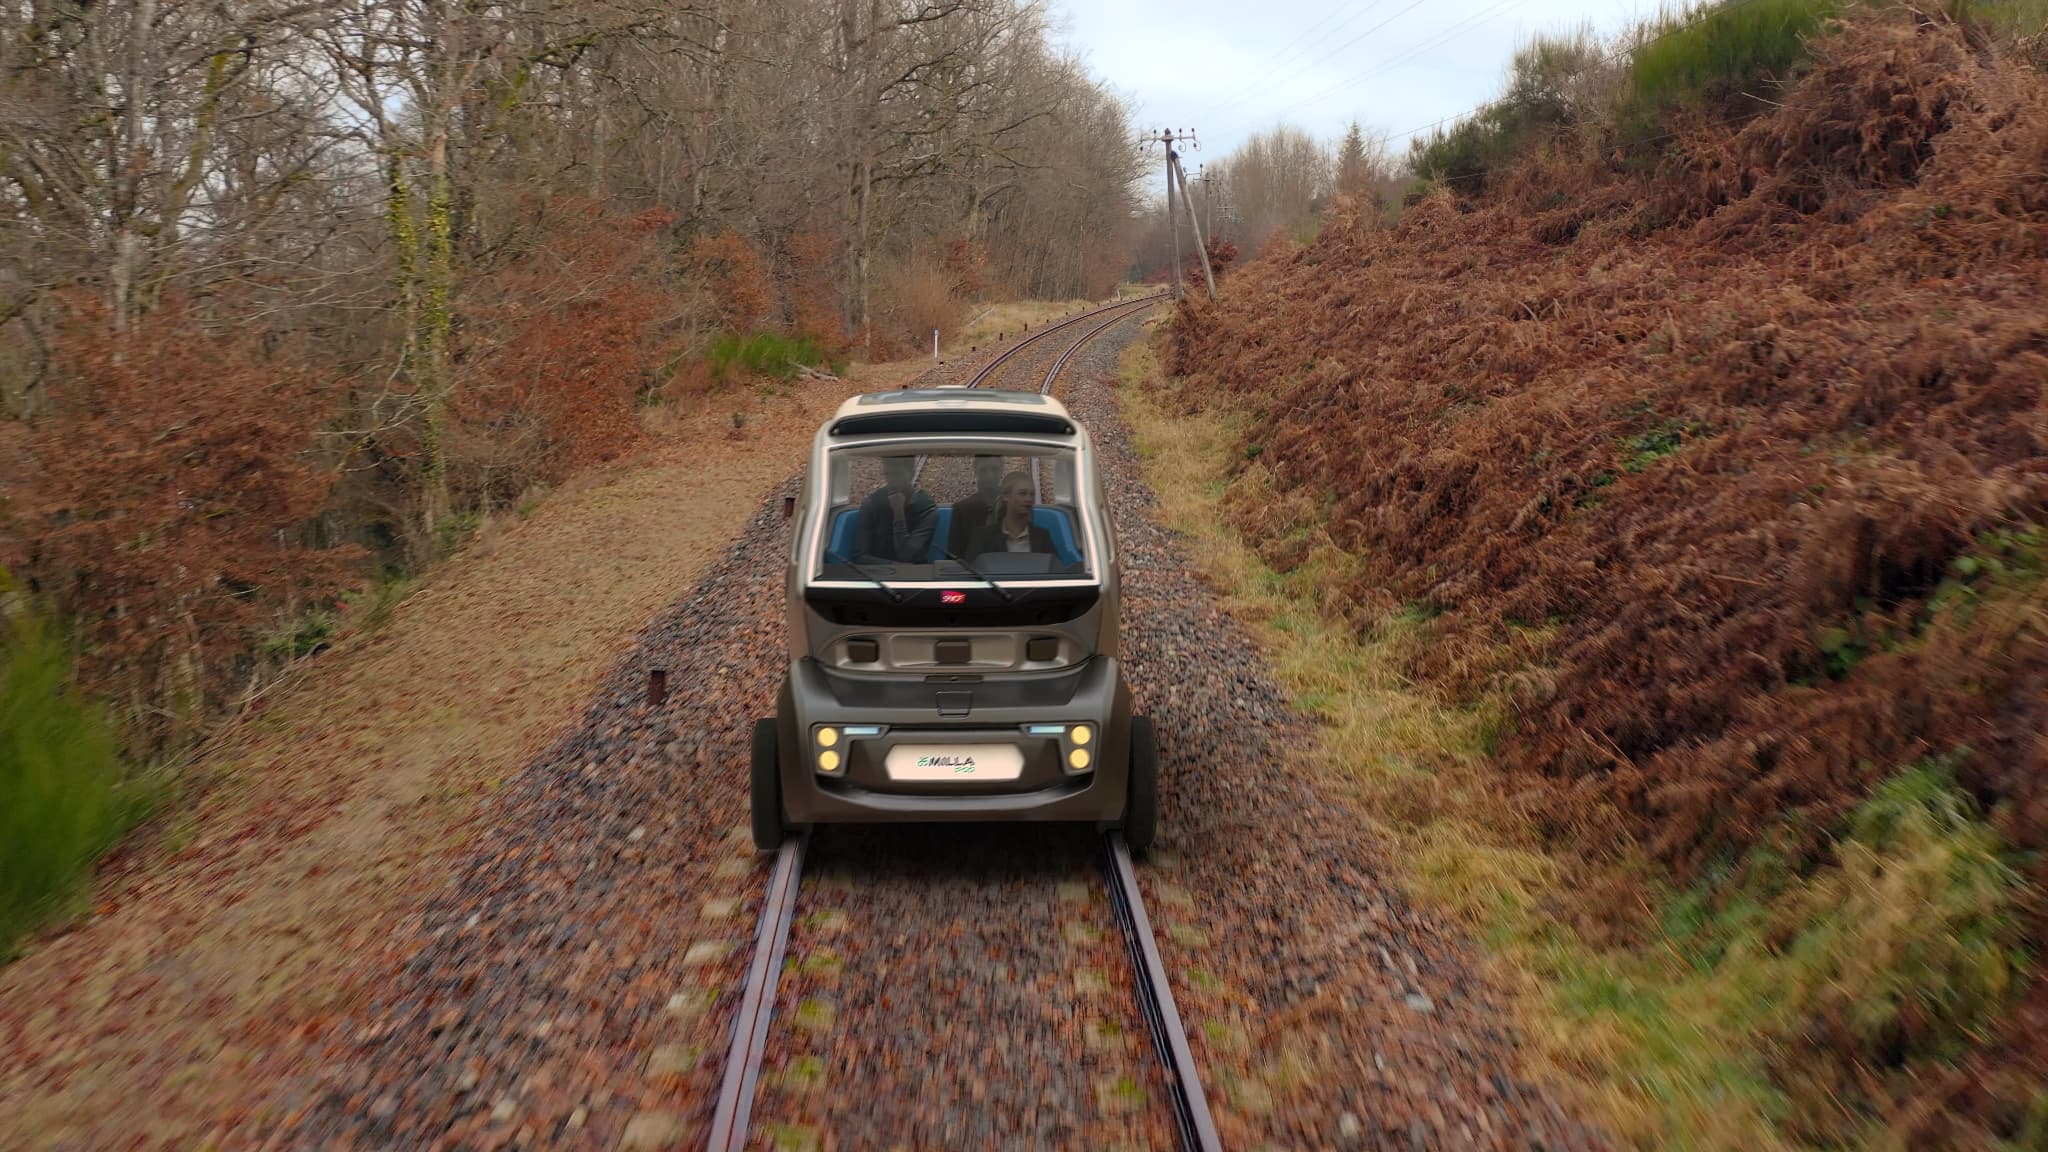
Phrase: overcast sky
x=1228 y=68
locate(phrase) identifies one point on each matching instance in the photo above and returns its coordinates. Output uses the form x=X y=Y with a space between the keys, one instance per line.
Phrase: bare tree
x=1278 y=181
x=469 y=233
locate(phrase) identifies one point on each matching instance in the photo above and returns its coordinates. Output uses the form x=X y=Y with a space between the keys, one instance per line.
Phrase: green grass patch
x=312 y=631
x=764 y=354
x=2005 y=562
x=1714 y=1037
x=1643 y=450
x=62 y=799
x=370 y=608
x=2007 y=20
x=1708 y=52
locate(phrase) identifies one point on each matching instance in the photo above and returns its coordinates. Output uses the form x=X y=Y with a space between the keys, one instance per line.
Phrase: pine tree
x=1351 y=173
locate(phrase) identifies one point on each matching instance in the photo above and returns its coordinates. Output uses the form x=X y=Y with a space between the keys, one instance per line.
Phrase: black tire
x=1141 y=803
x=767 y=788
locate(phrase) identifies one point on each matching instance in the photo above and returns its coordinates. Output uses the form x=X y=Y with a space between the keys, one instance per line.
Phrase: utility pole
x=1169 y=137
x=1172 y=225
x=1201 y=245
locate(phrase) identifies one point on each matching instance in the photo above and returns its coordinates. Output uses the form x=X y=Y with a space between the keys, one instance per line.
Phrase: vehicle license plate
x=954 y=762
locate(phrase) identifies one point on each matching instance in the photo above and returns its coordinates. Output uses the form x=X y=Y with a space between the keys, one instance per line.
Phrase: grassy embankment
x=1670 y=1042
x=1006 y=321
x=1717 y=815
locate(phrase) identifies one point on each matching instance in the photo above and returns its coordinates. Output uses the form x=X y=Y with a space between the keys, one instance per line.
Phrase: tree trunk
x=861 y=255
x=435 y=327
x=127 y=240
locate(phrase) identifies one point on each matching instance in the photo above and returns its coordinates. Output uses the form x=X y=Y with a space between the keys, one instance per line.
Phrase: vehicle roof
x=928 y=411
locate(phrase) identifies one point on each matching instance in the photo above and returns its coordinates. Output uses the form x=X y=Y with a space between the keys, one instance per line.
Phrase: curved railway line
x=751 y=1026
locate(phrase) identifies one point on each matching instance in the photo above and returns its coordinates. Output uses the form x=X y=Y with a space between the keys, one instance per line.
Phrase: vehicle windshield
x=1004 y=512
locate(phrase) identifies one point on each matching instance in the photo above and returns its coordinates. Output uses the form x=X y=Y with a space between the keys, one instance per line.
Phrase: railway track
x=740 y=1080
x=1116 y=313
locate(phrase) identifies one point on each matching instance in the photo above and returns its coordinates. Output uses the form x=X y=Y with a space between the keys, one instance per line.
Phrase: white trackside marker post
x=935 y=343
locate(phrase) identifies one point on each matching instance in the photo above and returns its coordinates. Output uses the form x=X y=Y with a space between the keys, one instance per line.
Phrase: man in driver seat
x=897 y=519
x=974 y=512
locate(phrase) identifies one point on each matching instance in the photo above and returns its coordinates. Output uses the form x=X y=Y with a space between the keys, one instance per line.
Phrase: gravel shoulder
x=236 y=923
x=1326 y=1010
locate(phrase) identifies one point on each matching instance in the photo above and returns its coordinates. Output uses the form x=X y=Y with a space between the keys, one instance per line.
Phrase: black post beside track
x=1155 y=1000
x=750 y=1026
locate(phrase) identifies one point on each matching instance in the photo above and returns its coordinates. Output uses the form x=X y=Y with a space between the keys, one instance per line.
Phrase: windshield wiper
x=998 y=589
x=894 y=596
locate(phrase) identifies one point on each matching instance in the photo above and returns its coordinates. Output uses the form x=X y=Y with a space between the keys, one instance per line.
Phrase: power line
x=1332 y=53
x=1441 y=38
x=1346 y=44
x=1291 y=52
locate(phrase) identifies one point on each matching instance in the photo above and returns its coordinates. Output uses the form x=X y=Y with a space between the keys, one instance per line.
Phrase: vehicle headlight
x=827 y=737
x=1078 y=759
x=828 y=761
x=1081 y=735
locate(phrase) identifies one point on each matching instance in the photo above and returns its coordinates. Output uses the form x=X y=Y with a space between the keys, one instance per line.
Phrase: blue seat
x=844 y=543
x=1056 y=525
x=845 y=533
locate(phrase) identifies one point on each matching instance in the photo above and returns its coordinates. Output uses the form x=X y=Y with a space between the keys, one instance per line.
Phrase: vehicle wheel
x=767 y=788
x=1141 y=803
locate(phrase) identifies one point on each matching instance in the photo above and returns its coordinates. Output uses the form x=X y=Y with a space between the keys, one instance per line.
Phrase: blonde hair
x=1003 y=491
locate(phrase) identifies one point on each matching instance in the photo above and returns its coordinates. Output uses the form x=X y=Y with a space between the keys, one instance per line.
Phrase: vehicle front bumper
x=932 y=711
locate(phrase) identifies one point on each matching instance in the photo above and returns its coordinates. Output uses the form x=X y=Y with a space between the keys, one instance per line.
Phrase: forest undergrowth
x=1712 y=478
x=270 y=351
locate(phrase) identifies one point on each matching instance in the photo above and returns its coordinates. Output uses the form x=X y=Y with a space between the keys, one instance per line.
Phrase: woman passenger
x=1011 y=529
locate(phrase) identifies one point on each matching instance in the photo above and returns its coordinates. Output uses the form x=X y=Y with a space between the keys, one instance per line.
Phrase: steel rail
x=1045 y=388
x=1052 y=374
x=1155 y=996
x=989 y=369
x=757 y=1004
x=749 y=1040
x=1155 y=1000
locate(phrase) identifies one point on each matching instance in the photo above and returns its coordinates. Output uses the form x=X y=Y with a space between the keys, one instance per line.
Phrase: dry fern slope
x=1696 y=440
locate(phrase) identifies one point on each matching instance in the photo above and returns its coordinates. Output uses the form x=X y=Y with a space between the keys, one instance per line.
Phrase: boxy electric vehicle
x=952 y=600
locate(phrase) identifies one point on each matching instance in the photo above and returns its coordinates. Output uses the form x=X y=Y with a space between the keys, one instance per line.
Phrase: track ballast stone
x=573 y=984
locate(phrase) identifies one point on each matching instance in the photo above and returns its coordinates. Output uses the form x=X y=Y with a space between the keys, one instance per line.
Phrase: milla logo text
x=956 y=763
x=951 y=597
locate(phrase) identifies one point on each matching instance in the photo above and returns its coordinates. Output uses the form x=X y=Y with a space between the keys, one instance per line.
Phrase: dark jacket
x=970 y=515
x=990 y=538
x=882 y=538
